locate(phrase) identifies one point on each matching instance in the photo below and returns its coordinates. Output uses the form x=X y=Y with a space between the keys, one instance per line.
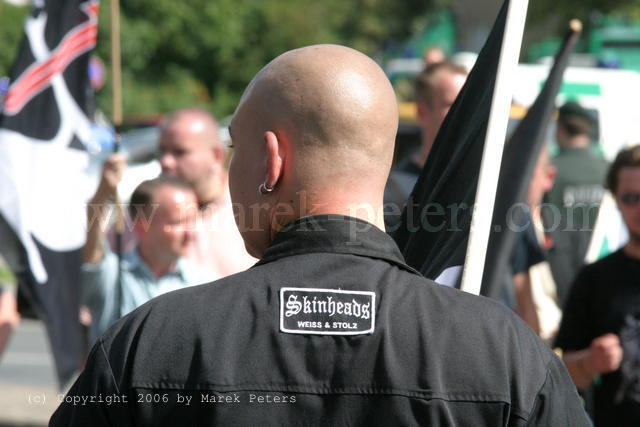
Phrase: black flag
x=43 y=128
x=434 y=227
x=518 y=161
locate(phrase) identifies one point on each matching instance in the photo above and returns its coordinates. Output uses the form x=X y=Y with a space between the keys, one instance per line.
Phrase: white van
x=613 y=95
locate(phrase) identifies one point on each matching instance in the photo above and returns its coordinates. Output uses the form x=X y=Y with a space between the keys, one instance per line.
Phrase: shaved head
x=333 y=116
x=334 y=103
x=190 y=149
x=196 y=121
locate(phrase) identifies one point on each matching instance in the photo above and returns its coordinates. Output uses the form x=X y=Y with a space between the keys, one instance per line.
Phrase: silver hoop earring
x=263 y=189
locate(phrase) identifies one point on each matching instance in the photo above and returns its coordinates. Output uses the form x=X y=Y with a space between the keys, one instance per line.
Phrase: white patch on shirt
x=327 y=311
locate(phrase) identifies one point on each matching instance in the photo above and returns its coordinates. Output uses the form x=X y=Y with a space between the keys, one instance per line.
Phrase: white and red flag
x=44 y=126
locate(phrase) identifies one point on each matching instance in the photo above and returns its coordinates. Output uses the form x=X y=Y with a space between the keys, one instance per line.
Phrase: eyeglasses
x=630 y=199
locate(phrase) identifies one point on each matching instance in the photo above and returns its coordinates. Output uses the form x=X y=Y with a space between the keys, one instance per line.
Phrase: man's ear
x=552 y=171
x=275 y=151
x=139 y=228
x=218 y=153
x=421 y=111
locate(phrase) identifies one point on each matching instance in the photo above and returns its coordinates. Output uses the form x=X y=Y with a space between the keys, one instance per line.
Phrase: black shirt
x=329 y=328
x=605 y=298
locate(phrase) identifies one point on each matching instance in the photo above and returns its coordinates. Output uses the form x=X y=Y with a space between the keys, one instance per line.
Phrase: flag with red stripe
x=44 y=126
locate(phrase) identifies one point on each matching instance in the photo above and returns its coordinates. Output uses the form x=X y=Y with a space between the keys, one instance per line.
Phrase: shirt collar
x=577 y=150
x=334 y=234
x=135 y=262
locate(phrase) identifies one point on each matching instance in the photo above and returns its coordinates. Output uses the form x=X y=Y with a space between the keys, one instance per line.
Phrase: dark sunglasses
x=630 y=199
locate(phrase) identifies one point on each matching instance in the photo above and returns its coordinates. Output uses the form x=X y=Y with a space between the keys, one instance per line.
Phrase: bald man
x=331 y=327
x=190 y=149
x=436 y=89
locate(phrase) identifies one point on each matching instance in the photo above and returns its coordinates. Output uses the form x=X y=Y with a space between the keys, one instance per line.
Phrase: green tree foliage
x=204 y=52
x=11 y=33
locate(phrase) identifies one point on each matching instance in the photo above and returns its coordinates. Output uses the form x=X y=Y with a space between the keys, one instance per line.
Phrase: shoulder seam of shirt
x=106 y=358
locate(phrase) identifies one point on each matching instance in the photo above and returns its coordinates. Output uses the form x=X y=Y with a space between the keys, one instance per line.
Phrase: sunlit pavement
x=28 y=387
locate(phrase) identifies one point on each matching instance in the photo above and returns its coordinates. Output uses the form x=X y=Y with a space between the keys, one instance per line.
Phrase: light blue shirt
x=139 y=285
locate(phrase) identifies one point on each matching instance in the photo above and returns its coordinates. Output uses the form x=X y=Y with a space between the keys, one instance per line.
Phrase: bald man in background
x=190 y=149
x=331 y=326
x=436 y=89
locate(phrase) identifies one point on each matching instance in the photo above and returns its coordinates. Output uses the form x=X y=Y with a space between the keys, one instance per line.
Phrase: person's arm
x=9 y=317
x=602 y=356
x=100 y=205
x=526 y=253
x=525 y=306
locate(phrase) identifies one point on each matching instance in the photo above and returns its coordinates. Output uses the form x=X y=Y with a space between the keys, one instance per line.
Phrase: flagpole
x=116 y=99
x=116 y=83
x=520 y=155
x=493 y=147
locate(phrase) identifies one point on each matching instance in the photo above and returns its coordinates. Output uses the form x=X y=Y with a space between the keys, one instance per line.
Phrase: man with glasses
x=600 y=330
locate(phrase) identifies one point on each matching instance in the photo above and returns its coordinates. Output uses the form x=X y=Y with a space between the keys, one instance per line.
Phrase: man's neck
x=420 y=158
x=579 y=141
x=372 y=213
x=213 y=191
x=158 y=267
